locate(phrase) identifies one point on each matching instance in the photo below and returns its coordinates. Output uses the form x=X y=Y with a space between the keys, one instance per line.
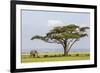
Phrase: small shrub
x=87 y=54
x=63 y=55
x=66 y=55
x=38 y=57
x=77 y=54
x=45 y=55
x=69 y=55
x=59 y=55
x=54 y=56
x=50 y=56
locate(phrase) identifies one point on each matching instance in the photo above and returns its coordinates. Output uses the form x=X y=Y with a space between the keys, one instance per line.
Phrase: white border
x=20 y=65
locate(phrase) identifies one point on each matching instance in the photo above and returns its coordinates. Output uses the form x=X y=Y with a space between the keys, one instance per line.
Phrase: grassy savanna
x=48 y=57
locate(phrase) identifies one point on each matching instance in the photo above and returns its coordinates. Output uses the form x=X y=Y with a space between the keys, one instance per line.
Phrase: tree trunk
x=65 y=46
x=65 y=50
x=65 y=53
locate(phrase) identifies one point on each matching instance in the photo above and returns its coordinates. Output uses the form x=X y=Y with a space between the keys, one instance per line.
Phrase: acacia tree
x=67 y=36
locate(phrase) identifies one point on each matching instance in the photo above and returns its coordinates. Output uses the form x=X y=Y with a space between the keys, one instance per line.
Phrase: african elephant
x=33 y=53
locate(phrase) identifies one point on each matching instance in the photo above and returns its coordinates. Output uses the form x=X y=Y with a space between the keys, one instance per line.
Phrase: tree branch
x=72 y=44
x=69 y=42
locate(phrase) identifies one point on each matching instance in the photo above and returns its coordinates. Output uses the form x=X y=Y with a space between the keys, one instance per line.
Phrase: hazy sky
x=40 y=22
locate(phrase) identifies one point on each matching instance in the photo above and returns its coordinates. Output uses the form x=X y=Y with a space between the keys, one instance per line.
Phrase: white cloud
x=54 y=23
x=82 y=25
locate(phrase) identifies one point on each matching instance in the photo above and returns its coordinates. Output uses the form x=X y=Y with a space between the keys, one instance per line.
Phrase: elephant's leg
x=33 y=55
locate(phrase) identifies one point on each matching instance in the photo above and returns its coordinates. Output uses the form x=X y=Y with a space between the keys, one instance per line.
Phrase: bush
x=60 y=55
x=38 y=57
x=69 y=55
x=53 y=56
x=50 y=56
x=45 y=55
x=77 y=54
x=87 y=54
x=63 y=55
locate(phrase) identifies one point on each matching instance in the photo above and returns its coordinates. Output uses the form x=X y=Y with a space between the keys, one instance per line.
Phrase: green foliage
x=45 y=55
x=77 y=54
x=64 y=32
x=84 y=29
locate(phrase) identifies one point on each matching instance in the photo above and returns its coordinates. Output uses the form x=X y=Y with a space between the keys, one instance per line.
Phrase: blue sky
x=41 y=22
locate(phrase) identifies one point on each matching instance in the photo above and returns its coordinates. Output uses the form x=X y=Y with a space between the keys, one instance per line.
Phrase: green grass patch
x=49 y=57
